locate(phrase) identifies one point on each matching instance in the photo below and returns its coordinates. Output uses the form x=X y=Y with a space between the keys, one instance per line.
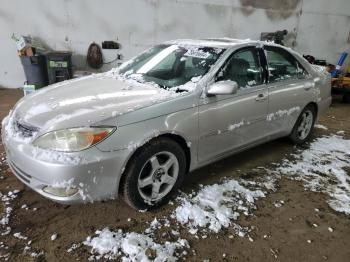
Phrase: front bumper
x=94 y=173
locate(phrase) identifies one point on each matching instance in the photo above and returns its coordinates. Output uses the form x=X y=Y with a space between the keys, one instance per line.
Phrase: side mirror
x=226 y=87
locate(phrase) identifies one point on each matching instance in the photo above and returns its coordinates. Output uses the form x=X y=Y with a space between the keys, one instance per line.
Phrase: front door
x=229 y=122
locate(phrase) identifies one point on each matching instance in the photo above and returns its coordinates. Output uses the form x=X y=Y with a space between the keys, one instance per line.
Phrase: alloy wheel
x=158 y=176
x=305 y=125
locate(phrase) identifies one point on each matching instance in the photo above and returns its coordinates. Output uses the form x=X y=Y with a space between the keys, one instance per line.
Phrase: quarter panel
x=286 y=101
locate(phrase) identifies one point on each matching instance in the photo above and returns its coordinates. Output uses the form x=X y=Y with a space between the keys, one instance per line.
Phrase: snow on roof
x=212 y=42
x=224 y=42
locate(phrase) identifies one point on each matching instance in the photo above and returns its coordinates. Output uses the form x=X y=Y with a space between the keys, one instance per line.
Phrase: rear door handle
x=261 y=97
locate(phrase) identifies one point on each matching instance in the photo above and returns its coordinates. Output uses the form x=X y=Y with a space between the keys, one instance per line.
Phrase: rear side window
x=242 y=67
x=282 y=65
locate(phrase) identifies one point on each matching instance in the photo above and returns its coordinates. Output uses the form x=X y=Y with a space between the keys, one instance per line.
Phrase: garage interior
x=46 y=42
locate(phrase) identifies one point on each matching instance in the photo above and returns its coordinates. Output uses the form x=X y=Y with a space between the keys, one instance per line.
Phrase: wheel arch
x=174 y=137
x=183 y=143
x=315 y=106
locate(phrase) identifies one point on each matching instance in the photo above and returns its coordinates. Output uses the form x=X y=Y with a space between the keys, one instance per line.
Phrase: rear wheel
x=303 y=127
x=153 y=174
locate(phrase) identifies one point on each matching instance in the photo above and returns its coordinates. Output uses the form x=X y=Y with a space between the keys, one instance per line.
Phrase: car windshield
x=171 y=65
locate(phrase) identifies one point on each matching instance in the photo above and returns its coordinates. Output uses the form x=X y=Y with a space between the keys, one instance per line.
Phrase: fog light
x=60 y=191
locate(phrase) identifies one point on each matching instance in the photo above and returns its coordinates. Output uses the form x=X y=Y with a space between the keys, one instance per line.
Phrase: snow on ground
x=322 y=168
x=5 y=223
x=131 y=246
x=3 y=163
x=319 y=126
x=6 y=200
x=54 y=237
x=215 y=206
x=5 y=228
x=19 y=235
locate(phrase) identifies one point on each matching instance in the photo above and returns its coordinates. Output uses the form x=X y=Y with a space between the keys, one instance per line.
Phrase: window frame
x=298 y=65
x=260 y=60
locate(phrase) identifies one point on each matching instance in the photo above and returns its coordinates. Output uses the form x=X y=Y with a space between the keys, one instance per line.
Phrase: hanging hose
x=94 y=56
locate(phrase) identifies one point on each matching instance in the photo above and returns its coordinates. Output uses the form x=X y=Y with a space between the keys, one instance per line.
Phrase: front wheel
x=153 y=174
x=303 y=127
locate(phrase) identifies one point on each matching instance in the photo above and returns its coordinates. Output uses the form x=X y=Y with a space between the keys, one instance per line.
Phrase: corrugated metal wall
x=318 y=27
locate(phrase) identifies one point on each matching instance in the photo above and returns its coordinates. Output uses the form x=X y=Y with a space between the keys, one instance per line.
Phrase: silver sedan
x=139 y=129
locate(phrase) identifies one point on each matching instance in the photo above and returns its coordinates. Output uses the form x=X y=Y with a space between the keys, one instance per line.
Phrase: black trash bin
x=59 y=66
x=35 y=70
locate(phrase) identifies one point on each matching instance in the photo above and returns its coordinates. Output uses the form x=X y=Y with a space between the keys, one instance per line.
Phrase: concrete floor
x=289 y=226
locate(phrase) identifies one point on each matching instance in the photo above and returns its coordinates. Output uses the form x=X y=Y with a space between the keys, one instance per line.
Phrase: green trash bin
x=59 y=66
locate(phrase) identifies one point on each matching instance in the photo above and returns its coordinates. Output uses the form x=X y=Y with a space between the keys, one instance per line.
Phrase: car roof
x=213 y=42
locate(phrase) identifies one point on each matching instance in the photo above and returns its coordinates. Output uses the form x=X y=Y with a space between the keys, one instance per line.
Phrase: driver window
x=244 y=68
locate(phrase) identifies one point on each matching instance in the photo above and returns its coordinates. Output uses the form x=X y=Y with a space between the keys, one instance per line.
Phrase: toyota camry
x=138 y=130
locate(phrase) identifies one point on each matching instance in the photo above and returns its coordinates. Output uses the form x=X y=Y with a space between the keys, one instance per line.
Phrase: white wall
x=318 y=27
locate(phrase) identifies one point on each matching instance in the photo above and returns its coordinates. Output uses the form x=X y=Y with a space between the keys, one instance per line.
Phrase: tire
x=159 y=165
x=303 y=127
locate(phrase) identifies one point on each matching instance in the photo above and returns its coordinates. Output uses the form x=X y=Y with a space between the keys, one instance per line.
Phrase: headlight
x=74 y=139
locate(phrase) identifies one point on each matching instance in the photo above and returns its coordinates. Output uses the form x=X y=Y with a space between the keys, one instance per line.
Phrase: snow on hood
x=84 y=101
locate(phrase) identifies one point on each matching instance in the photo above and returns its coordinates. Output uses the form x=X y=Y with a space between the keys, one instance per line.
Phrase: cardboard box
x=25 y=42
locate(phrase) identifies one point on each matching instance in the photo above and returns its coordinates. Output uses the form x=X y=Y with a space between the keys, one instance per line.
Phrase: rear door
x=290 y=89
x=229 y=122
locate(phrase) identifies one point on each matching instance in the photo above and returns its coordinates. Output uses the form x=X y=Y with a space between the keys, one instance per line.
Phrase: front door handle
x=309 y=85
x=261 y=97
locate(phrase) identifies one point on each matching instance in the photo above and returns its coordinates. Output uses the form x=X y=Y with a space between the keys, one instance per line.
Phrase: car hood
x=86 y=101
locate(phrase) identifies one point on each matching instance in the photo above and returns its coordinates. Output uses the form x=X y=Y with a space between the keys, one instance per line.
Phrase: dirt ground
x=280 y=234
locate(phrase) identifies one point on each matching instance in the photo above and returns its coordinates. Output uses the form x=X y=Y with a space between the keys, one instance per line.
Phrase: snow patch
x=132 y=246
x=282 y=113
x=54 y=237
x=235 y=126
x=12 y=130
x=20 y=236
x=147 y=137
x=322 y=169
x=47 y=155
x=6 y=200
x=215 y=206
x=321 y=127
